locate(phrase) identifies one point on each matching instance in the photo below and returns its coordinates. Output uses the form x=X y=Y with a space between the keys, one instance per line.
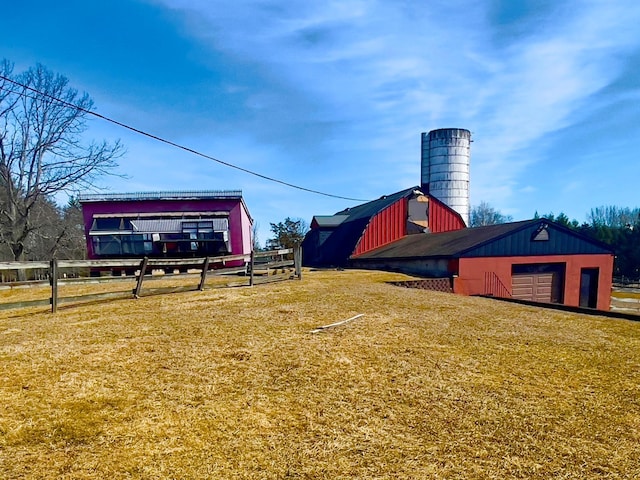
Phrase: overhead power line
x=173 y=144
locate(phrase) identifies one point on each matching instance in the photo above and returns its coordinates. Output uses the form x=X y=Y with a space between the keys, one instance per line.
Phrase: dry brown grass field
x=230 y=383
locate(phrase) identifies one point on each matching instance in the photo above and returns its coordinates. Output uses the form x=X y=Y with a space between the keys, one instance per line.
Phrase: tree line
x=57 y=232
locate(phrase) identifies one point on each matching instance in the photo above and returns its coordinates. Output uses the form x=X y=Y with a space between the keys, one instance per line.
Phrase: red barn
x=333 y=239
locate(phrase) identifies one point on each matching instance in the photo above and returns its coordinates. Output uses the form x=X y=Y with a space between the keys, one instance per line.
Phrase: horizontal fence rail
x=631 y=305
x=251 y=265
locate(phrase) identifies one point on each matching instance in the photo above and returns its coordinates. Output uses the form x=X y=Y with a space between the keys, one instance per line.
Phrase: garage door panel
x=545 y=279
x=522 y=287
x=536 y=287
x=522 y=292
x=542 y=295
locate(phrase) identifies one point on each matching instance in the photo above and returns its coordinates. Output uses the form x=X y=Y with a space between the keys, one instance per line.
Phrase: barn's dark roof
x=369 y=209
x=507 y=239
x=324 y=221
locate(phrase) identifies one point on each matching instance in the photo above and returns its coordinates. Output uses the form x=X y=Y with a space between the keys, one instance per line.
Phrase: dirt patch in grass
x=231 y=384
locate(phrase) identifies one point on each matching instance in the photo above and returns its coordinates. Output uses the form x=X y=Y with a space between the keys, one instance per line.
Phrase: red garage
x=535 y=260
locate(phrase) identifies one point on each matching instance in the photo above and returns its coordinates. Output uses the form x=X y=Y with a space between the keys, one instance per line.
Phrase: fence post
x=203 y=277
x=143 y=268
x=53 y=280
x=297 y=262
x=251 y=268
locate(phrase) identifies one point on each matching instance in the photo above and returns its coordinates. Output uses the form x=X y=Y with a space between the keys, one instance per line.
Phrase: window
x=541 y=234
x=107 y=224
x=107 y=245
x=197 y=227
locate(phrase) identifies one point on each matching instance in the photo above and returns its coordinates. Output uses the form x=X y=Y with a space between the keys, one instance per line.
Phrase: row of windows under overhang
x=122 y=237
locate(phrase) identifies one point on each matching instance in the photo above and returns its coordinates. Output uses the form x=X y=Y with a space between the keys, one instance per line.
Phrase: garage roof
x=507 y=239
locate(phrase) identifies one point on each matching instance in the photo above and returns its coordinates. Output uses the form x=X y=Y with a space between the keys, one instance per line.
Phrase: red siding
x=473 y=271
x=385 y=227
x=390 y=224
x=442 y=218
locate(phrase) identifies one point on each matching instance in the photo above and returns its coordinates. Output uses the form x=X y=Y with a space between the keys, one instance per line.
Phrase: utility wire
x=173 y=144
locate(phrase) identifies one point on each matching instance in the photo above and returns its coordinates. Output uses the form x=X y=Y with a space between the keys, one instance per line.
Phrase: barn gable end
x=333 y=239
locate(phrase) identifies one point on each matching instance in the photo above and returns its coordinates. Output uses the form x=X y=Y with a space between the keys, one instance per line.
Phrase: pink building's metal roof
x=171 y=195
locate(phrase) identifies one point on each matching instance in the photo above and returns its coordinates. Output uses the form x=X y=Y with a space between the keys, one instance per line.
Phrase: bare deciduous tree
x=255 y=240
x=485 y=214
x=71 y=243
x=60 y=232
x=42 y=120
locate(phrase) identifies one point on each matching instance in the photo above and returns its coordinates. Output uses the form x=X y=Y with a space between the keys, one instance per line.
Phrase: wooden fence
x=626 y=299
x=631 y=305
x=258 y=267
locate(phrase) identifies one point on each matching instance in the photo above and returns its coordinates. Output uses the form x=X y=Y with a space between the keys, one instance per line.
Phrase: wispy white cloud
x=333 y=95
x=382 y=72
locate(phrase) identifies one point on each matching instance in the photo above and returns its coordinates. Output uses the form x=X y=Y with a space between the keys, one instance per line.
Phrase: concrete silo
x=445 y=167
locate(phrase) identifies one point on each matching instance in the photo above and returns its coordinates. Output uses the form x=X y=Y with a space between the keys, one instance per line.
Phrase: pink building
x=166 y=224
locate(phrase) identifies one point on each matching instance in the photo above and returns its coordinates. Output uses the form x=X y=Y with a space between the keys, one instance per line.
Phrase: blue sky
x=333 y=95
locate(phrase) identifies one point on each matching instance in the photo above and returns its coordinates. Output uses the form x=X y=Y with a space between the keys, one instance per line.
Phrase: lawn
x=230 y=383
